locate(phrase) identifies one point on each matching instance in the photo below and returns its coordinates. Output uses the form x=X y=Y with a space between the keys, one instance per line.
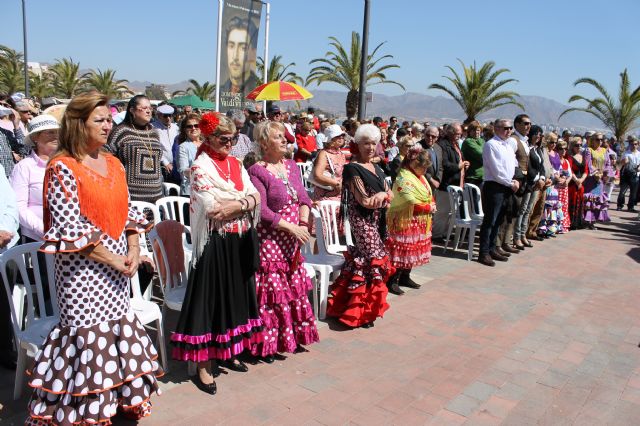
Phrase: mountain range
x=435 y=109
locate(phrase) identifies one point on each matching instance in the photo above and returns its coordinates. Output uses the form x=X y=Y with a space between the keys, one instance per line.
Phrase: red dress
x=576 y=195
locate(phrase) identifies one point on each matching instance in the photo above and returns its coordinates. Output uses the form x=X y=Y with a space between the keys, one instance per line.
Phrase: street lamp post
x=362 y=103
x=24 y=38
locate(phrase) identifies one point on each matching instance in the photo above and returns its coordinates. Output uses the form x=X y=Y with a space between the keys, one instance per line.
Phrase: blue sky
x=546 y=44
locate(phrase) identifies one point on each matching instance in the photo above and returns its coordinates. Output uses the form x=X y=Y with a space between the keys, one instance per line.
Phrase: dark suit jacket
x=431 y=171
x=450 y=161
x=536 y=166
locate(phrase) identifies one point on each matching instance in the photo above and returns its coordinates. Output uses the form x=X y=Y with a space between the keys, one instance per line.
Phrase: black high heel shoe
x=210 y=388
x=269 y=359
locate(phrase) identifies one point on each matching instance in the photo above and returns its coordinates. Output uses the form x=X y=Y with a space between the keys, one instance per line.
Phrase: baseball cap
x=274 y=109
x=251 y=108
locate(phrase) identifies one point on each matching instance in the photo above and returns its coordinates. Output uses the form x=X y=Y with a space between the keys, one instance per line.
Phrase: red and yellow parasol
x=279 y=91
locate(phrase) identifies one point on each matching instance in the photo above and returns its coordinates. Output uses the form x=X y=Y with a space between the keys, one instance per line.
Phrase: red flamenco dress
x=359 y=295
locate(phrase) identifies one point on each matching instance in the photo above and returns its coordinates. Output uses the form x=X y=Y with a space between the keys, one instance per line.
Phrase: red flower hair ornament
x=209 y=123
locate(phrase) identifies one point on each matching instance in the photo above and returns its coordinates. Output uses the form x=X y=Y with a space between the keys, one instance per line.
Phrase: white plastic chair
x=305 y=171
x=325 y=265
x=32 y=333
x=173 y=283
x=144 y=207
x=461 y=221
x=174 y=208
x=329 y=211
x=170 y=189
x=148 y=312
x=474 y=200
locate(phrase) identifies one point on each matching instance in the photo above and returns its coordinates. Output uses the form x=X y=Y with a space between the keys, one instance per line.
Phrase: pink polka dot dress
x=281 y=281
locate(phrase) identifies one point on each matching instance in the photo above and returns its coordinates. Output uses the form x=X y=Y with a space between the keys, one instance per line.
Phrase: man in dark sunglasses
x=499 y=162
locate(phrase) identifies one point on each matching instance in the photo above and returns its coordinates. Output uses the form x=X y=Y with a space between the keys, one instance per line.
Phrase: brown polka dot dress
x=99 y=359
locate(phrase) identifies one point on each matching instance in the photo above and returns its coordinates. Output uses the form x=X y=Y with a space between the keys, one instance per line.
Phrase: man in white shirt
x=8 y=238
x=167 y=132
x=629 y=176
x=499 y=162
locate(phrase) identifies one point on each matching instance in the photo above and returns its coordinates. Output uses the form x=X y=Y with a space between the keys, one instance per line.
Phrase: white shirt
x=8 y=211
x=499 y=160
x=320 y=141
x=634 y=159
x=167 y=135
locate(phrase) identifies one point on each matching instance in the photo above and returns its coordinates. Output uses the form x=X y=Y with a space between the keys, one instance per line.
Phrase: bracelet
x=303 y=223
x=244 y=205
x=255 y=202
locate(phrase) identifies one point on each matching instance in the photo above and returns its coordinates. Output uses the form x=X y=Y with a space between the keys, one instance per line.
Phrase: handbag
x=326 y=173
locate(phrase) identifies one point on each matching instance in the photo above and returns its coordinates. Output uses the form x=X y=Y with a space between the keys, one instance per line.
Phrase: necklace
x=226 y=175
x=283 y=175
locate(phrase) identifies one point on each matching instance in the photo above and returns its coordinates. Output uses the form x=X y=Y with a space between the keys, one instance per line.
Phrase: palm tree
x=11 y=70
x=205 y=91
x=478 y=92
x=106 y=83
x=620 y=117
x=40 y=85
x=278 y=71
x=343 y=68
x=66 y=81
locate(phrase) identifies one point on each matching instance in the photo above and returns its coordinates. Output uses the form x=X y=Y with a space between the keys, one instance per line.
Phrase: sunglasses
x=25 y=112
x=191 y=126
x=551 y=143
x=224 y=140
x=507 y=127
x=167 y=115
x=526 y=123
x=599 y=139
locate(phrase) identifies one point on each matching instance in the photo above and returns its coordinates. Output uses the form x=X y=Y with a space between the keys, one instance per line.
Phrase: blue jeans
x=494 y=197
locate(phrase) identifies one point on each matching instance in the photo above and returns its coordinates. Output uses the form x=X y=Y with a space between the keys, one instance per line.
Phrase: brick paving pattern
x=550 y=337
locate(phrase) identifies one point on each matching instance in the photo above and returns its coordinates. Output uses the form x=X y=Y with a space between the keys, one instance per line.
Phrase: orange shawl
x=104 y=200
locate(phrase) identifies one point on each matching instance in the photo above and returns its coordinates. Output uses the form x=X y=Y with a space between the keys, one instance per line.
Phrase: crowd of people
x=250 y=215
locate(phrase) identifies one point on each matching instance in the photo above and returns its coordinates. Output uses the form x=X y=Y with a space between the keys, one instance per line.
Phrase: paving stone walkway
x=550 y=337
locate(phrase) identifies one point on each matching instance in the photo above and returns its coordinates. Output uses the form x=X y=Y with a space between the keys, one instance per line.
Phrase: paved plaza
x=550 y=337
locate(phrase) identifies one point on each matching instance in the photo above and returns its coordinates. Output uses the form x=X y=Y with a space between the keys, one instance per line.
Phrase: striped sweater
x=140 y=152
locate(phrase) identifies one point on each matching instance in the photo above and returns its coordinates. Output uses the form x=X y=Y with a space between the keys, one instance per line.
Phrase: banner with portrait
x=240 y=27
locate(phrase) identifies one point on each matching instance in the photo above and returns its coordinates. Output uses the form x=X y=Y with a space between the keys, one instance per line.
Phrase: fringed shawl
x=104 y=200
x=208 y=188
x=408 y=191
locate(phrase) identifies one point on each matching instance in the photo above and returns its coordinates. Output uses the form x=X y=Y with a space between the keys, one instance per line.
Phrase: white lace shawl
x=208 y=188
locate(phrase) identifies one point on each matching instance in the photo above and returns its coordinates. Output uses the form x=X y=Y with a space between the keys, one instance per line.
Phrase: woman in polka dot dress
x=281 y=280
x=98 y=360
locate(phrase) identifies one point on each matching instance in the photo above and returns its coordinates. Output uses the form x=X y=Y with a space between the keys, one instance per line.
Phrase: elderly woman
x=98 y=359
x=189 y=140
x=282 y=282
x=595 y=197
x=28 y=175
x=579 y=173
x=409 y=219
x=359 y=294
x=327 y=169
x=219 y=317
x=404 y=145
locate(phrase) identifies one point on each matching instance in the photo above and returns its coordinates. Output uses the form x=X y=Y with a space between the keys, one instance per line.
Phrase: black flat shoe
x=211 y=388
x=236 y=365
x=367 y=325
x=268 y=359
x=406 y=281
x=300 y=349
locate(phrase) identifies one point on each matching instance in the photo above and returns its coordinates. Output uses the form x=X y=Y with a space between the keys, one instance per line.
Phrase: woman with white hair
x=27 y=176
x=359 y=294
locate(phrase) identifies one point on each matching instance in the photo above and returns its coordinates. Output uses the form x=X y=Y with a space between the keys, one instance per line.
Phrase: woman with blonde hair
x=579 y=173
x=98 y=360
x=281 y=279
